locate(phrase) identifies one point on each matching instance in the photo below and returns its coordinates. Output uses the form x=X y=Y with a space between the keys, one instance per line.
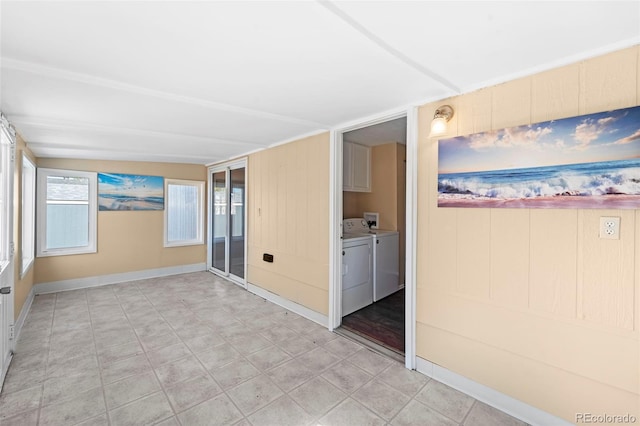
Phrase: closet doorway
x=374 y=212
x=341 y=208
x=227 y=221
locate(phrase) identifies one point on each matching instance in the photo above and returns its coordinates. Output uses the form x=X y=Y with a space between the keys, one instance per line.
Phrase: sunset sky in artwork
x=604 y=136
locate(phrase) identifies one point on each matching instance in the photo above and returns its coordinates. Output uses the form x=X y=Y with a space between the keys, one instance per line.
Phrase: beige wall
x=384 y=189
x=388 y=193
x=531 y=302
x=22 y=285
x=288 y=215
x=127 y=240
x=350 y=206
x=401 y=197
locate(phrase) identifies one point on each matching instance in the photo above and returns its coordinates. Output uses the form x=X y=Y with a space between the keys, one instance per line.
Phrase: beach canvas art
x=130 y=192
x=589 y=161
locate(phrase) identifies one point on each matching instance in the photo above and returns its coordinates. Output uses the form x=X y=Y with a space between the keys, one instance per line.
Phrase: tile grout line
x=46 y=365
x=95 y=346
x=173 y=330
x=318 y=375
x=209 y=374
x=475 y=401
x=144 y=351
x=205 y=318
x=225 y=391
x=411 y=398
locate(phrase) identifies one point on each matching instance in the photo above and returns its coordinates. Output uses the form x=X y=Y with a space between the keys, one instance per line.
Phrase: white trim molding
x=169 y=209
x=288 y=304
x=411 y=244
x=336 y=207
x=43 y=247
x=513 y=407
x=335 y=229
x=100 y=280
x=26 y=307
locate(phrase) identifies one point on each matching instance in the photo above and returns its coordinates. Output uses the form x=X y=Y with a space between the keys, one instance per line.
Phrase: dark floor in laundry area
x=381 y=322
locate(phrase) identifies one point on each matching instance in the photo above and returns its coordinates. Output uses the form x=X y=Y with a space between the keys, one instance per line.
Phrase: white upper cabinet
x=356 y=160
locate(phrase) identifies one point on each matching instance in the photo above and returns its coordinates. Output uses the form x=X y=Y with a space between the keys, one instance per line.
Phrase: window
x=183 y=212
x=28 y=213
x=67 y=212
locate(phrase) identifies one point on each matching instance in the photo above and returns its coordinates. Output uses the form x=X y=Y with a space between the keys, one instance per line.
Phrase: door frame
x=7 y=275
x=227 y=166
x=335 y=222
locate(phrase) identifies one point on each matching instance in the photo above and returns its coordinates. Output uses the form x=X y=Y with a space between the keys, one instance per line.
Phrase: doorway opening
x=227 y=221
x=374 y=235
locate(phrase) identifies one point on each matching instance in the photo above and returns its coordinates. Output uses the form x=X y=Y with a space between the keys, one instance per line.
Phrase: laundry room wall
x=384 y=189
x=388 y=193
x=401 y=202
x=531 y=302
x=288 y=215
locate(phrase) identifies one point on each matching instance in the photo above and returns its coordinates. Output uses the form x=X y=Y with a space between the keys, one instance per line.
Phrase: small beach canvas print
x=130 y=192
x=589 y=161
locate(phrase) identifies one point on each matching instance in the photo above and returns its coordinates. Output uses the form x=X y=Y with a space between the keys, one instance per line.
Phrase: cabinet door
x=361 y=168
x=347 y=166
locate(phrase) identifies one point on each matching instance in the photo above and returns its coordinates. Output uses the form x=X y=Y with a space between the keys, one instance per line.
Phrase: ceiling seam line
x=386 y=46
x=16 y=64
x=123 y=131
x=58 y=147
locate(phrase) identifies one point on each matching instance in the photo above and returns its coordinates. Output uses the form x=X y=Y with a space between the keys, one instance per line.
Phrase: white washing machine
x=386 y=262
x=357 y=269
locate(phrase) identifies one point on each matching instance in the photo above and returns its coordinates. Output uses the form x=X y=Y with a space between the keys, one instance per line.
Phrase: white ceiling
x=200 y=82
x=381 y=133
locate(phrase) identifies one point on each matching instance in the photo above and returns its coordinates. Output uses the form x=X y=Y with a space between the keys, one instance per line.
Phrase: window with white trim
x=28 y=214
x=183 y=212
x=67 y=212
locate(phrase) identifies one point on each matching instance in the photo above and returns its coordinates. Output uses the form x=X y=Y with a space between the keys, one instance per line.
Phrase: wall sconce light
x=440 y=118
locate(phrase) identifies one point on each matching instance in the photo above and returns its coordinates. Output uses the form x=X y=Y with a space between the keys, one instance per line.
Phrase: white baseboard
x=26 y=307
x=513 y=407
x=312 y=315
x=100 y=280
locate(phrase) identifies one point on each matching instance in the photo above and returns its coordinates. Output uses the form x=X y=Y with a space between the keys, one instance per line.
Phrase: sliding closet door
x=228 y=221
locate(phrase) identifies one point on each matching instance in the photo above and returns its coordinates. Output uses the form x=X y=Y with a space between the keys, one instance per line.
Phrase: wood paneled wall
x=530 y=301
x=288 y=202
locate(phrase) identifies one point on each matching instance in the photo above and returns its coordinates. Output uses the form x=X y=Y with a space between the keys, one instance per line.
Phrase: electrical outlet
x=610 y=228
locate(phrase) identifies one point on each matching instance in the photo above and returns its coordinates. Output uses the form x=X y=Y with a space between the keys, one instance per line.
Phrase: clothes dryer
x=357 y=273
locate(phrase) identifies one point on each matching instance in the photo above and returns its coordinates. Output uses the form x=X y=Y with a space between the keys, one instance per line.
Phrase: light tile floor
x=195 y=349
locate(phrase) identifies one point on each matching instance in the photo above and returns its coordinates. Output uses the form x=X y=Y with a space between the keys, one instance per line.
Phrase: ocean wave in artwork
x=574 y=180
